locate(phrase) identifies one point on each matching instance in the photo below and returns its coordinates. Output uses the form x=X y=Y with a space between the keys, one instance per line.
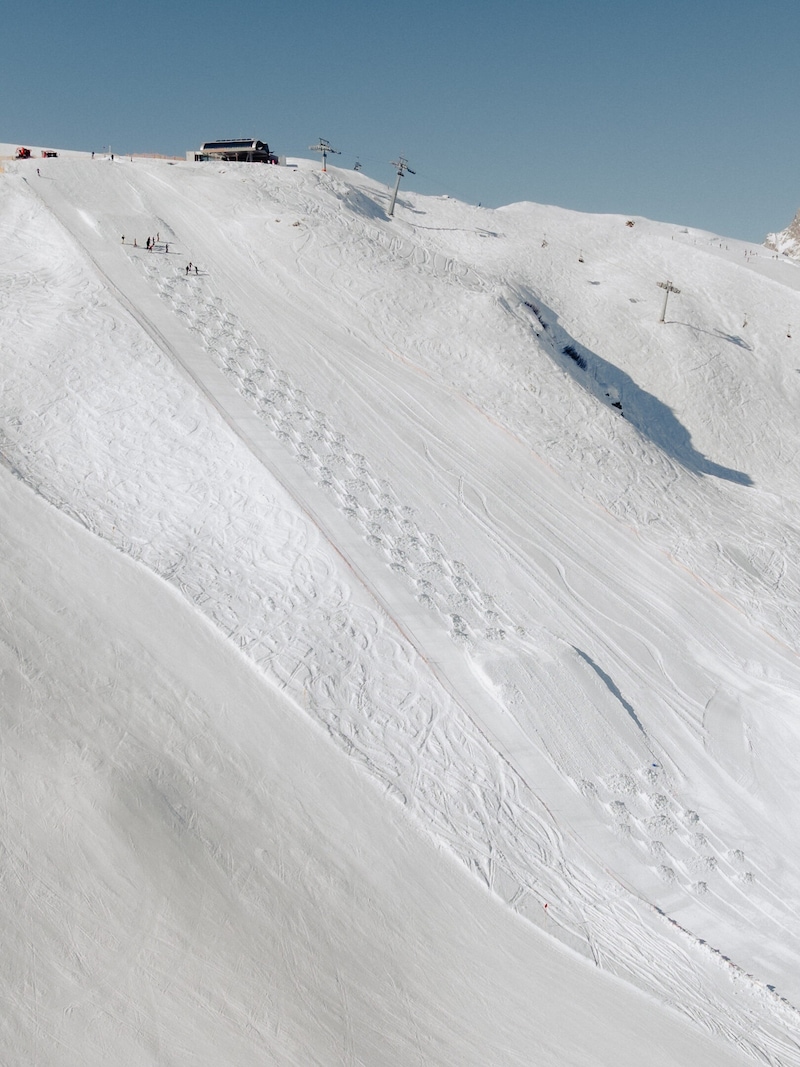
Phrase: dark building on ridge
x=234 y=150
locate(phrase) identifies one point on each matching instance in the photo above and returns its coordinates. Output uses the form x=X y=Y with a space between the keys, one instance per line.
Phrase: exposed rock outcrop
x=788 y=240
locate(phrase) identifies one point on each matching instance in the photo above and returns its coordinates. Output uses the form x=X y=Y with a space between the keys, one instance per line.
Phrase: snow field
x=191 y=872
x=159 y=478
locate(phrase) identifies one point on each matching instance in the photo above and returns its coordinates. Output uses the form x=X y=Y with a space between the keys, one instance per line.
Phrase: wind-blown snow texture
x=445 y=487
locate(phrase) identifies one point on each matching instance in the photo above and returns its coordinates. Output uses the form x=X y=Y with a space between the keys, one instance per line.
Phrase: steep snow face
x=523 y=550
x=192 y=872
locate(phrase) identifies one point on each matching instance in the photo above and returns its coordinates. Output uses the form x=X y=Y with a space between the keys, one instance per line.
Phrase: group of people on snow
x=151 y=244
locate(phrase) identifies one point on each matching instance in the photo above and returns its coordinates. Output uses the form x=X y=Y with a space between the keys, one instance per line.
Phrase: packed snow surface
x=399 y=627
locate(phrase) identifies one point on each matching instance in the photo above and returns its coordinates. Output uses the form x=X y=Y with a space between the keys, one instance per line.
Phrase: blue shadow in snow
x=609 y=683
x=652 y=418
x=731 y=338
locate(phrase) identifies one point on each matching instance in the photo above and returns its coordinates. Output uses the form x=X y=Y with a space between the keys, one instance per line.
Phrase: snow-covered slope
x=446 y=486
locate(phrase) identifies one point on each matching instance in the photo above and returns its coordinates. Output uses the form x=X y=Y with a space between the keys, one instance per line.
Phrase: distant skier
x=38 y=172
x=123 y=238
x=187 y=270
x=166 y=249
x=195 y=269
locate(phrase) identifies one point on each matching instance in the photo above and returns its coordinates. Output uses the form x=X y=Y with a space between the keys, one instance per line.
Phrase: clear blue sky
x=683 y=111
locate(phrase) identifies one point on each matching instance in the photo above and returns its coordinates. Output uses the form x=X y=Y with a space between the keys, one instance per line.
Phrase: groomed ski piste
x=399 y=630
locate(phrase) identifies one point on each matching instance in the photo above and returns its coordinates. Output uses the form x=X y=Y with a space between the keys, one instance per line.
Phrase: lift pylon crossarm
x=402 y=166
x=325 y=148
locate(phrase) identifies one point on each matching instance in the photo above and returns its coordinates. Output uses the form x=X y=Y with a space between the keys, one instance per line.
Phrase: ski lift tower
x=668 y=288
x=402 y=167
x=325 y=148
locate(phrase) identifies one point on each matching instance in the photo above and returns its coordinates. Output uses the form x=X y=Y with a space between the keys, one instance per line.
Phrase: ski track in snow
x=216 y=527
x=624 y=477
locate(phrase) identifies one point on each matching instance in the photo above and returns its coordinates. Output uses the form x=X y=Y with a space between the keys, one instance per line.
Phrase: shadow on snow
x=652 y=418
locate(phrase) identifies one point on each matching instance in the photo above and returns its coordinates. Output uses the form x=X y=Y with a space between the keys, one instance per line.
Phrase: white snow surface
x=348 y=620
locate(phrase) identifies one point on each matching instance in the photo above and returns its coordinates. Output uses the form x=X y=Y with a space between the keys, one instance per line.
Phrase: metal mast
x=402 y=167
x=325 y=148
x=669 y=288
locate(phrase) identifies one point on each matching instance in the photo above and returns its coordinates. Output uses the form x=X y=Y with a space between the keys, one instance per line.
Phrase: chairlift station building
x=234 y=150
